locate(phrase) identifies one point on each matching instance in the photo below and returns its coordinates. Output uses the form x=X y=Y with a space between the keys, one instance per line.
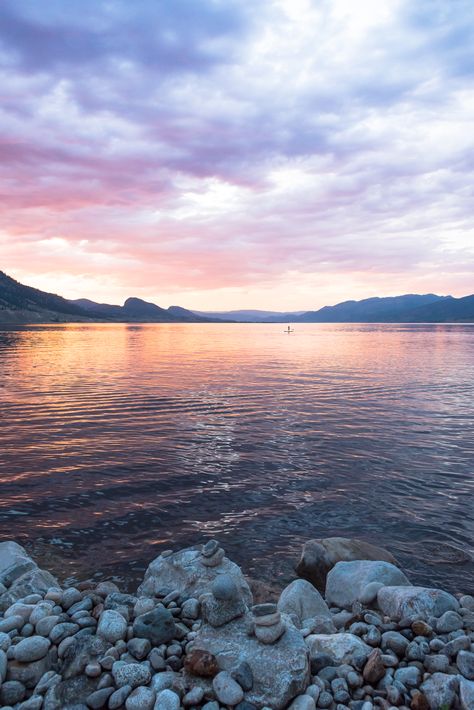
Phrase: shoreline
x=192 y=636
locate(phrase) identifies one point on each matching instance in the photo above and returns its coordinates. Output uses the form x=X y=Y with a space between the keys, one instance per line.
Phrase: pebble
x=158 y=626
x=449 y=621
x=194 y=697
x=112 y=626
x=190 y=609
x=118 y=697
x=227 y=690
x=167 y=700
x=303 y=702
x=69 y=597
x=32 y=649
x=12 y=692
x=98 y=698
x=409 y=676
x=465 y=663
x=324 y=700
x=62 y=631
x=133 y=674
x=141 y=699
x=11 y=622
x=243 y=676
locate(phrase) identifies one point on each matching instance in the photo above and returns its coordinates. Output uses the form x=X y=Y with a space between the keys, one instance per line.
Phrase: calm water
x=118 y=441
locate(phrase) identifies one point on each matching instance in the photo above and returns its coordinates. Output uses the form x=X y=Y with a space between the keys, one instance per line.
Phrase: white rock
x=112 y=626
x=342 y=647
x=183 y=571
x=303 y=600
x=400 y=602
x=347 y=580
x=167 y=700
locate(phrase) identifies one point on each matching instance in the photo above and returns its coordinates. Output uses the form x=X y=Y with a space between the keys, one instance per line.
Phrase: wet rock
x=320 y=555
x=158 y=626
x=347 y=580
x=184 y=571
x=423 y=602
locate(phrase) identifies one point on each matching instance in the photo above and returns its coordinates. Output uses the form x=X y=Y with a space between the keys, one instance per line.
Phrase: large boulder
x=20 y=574
x=320 y=555
x=280 y=670
x=347 y=580
x=420 y=602
x=184 y=571
x=303 y=600
x=343 y=648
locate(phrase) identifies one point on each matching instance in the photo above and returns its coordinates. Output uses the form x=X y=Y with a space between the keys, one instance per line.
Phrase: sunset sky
x=280 y=154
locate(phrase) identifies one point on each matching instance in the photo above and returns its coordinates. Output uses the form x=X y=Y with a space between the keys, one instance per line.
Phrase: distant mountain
x=373 y=310
x=446 y=310
x=252 y=316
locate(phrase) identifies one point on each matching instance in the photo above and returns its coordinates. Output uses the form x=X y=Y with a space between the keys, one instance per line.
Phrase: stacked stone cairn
x=191 y=638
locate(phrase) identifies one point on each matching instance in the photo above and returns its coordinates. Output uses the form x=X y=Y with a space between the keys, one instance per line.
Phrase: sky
x=217 y=154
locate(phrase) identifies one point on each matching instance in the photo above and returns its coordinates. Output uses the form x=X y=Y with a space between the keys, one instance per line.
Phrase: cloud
x=218 y=145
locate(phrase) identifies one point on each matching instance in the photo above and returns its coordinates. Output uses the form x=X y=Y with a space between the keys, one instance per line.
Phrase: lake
x=119 y=441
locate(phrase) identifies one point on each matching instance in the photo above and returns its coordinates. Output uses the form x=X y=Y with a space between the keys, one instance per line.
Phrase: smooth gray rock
x=32 y=649
x=303 y=702
x=118 y=697
x=440 y=689
x=193 y=697
x=320 y=555
x=347 y=580
x=167 y=700
x=12 y=692
x=422 y=602
x=141 y=699
x=79 y=653
x=33 y=703
x=301 y=598
x=158 y=626
x=190 y=609
x=185 y=572
x=280 y=671
x=227 y=690
x=341 y=647
x=465 y=663
x=99 y=698
x=409 y=676
x=28 y=673
x=466 y=693
x=449 y=621
x=112 y=626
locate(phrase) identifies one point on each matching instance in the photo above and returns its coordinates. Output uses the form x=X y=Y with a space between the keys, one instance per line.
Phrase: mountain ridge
x=25 y=304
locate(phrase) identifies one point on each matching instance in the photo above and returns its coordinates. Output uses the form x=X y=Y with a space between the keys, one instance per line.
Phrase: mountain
x=373 y=310
x=446 y=310
x=252 y=316
x=23 y=304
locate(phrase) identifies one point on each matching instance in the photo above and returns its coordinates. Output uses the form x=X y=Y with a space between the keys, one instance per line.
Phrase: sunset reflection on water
x=117 y=441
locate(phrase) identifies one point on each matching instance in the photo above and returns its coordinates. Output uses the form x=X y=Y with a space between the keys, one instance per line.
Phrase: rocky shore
x=193 y=637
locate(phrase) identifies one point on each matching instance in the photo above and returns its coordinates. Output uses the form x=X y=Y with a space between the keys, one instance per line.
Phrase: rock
x=218 y=612
x=80 y=653
x=118 y=697
x=319 y=556
x=419 y=701
x=20 y=575
x=190 y=609
x=141 y=699
x=244 y=676
x=12 y=691
x=225 y=588
x=467 y=602
x=369 y=593
x=201 y=663
x=302 y=599
x=227 y=690
x=62 y=631
x=466 y=694
x=440 y=690
x=158 y=626
x=410 y=676
x=3 y=666
x=184 y=571
x=423 y=602
x=341 y=647
x=303 y=702
x=112 y=626
x=347 y=580
x=438 y=663
x=167 y=700
x=280 y=671
x=465 y=663
x=139 y=648
x=28 y=674
x=70 y=694
x=33 y=703
x=374 y=669
x=32 y=649
x=133 y=674
x=452 y=648
x=421 y=628
x=98 y=699
x=325 y=700
x=449 y=621
x=193 y=697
